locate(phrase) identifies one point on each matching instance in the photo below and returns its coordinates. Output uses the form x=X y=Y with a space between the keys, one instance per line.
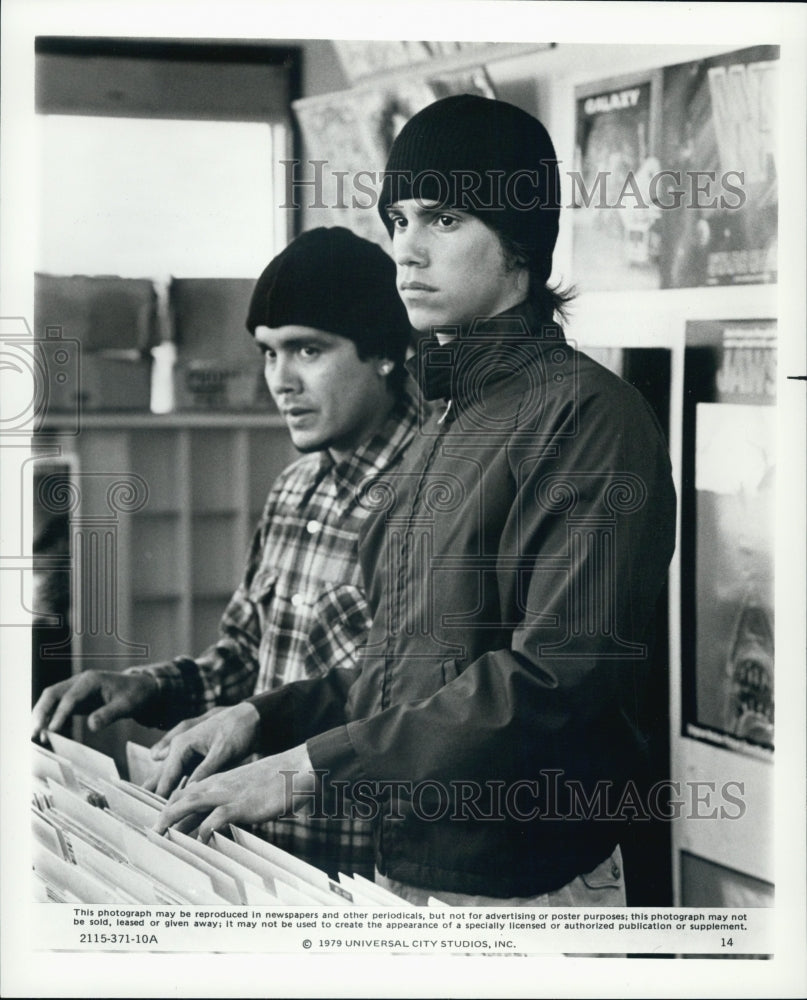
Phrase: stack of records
x=94 y=842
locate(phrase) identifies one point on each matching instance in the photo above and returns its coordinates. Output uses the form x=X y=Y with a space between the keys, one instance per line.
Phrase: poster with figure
x=616 y=218
x=718 y=152
x=348 y=136
x=728 y=508
x=675 y=183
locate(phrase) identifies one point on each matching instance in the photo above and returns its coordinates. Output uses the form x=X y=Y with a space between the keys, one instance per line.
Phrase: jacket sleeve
x=592 y=526
x=292 y=713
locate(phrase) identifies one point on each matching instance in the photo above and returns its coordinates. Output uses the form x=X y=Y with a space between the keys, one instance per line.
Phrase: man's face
x=451 y=266
x=328 y=397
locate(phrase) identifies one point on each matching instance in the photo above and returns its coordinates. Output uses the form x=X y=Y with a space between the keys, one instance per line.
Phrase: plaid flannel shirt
x=298 y=612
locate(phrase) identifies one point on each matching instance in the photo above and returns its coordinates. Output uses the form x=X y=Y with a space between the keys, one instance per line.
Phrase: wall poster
x=674 y=182
x=361 y=59
x=348 y=136
x=727 y=533
x=719 y=117
x=616 y=222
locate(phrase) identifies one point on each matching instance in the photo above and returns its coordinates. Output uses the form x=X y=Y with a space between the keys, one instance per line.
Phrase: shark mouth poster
x=728 y=508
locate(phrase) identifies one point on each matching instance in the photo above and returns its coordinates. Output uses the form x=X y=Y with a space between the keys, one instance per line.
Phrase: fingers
x=111 y=695
x=70 y=695
x=216 y=760
x=219 y=818
x=43 y=710
x=249 y=794
x=160 y=749
x=184 y=803
x=180 y=756
x=117 y=708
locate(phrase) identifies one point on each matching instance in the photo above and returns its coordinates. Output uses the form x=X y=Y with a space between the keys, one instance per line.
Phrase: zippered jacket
x=512 y=564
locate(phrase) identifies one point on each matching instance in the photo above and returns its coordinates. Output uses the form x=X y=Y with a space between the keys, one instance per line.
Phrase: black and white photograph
x=403 y=499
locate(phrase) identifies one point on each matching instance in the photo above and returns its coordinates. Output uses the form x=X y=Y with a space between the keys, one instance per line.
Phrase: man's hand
x=106 y=694
x=160 y=749
x=222 y=738
x=252 y=793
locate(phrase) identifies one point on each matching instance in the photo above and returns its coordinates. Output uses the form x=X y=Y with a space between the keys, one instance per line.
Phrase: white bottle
x=162 y=377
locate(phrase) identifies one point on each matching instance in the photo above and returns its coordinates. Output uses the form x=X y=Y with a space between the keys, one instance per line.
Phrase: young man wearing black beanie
x=334 y=336
x=512 y=567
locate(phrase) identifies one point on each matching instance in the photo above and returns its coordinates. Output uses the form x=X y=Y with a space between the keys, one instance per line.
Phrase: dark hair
x=547 y=301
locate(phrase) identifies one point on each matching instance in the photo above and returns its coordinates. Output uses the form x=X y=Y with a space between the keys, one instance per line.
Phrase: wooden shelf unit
x=166 y=507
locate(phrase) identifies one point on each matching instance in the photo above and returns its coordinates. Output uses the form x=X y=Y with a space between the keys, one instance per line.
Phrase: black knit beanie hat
x=333 y=280
x=488 y=158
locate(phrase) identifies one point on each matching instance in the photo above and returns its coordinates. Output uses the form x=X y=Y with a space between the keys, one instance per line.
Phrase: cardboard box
x=208 y=316
x=218 y=364
x=102 y=313
x=211 y=385
x=90 y=380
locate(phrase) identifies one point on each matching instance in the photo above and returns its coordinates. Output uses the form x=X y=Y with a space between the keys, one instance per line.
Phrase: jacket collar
x=489 y=342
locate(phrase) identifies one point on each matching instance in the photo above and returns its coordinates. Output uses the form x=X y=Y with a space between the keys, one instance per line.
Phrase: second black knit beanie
x=333 y=280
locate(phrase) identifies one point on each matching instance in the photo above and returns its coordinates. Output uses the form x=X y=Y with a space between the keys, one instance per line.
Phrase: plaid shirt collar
x=372 y=457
